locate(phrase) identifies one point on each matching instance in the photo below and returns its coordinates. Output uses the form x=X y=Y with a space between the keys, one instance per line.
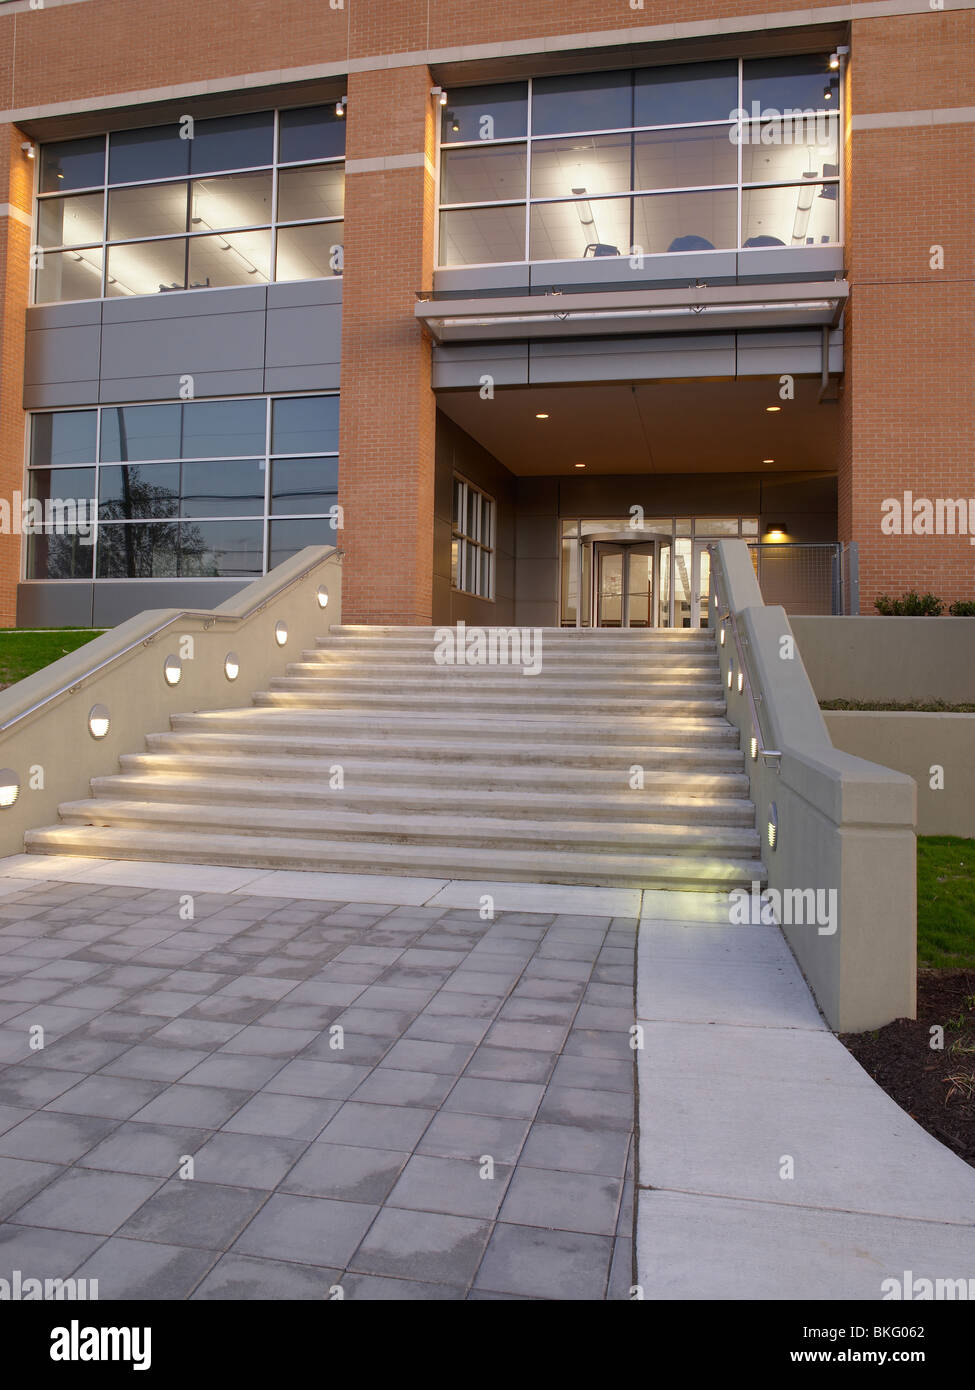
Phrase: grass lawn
x=901 y=706
x=945 y=902
x=25 y=650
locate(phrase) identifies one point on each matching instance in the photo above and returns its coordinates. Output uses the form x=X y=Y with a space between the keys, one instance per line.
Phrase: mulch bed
x=901 y=1060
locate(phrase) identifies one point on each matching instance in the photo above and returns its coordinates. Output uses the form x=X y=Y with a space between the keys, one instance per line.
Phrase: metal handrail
x=753 y=700
x=208 y=618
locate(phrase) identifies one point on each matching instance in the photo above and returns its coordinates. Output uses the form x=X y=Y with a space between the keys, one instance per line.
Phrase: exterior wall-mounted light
x=28 y=148
x=440 y=95
x=9 y=787
x=98 y=721
x=280 y=633
x=322 y=596
x=773 y=826
x=231 y=666
x=172 y=670
x=731 y=672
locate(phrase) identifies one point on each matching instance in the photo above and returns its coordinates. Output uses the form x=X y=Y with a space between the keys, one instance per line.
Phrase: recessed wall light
x=772 y=409
x=768 y=460
x=98 y=721
x=580 y=465
x=541 y=417
x=9 y=787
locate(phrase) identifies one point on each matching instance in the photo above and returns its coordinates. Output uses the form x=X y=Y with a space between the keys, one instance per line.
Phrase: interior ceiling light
x=768 y=460
x=541 y=417
x=580 y=465
x=773 y=408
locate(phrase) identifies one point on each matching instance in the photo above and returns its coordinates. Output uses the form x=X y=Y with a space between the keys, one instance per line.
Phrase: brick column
x=908 y=403
x=16 y=193
x=388 y=407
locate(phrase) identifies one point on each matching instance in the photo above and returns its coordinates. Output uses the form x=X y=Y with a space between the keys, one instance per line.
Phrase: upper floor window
x=234 y=200
x=695 y=157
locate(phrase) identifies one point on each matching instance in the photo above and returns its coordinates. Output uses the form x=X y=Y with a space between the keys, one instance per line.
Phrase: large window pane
x=477 y=236
x=138 y=550
x=781 y=151
x=68 y=486
x=495 y=112
x=311 y=132
x=146 y=267
x=803 y=215
x=65 y=275
x=157 y=152
x=304 y=485
x=312 y=252
x=686 y=222
x=223 y=489
x=474 y=175
x=790 y=84
x=572 y=231
x=288 y=537
x=223 y=429
x=685 y=93
x=72 y=164
x=137 y=432
x=237 y=258
x=317 y=191
x=593 y=164
x=220 y=549
x=597 y=101
x=51 y=555
x=232 y=142
x=64 y=436
x=240 y=200
x=71 y=221
x=693 y=158
x=305 y=425
x=158 y=209
x=131 y=492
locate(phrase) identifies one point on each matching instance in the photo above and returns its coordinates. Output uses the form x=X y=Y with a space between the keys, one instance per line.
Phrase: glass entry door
x=624 y=578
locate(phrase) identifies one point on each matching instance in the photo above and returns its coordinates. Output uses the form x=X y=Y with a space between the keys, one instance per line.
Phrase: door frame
x=624 y=548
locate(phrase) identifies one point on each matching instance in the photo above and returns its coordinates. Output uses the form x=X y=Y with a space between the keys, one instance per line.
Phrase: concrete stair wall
x=478 y=772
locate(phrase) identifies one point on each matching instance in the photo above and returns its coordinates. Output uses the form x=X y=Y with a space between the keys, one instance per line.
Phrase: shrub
x=964 y=608
x=910 y=605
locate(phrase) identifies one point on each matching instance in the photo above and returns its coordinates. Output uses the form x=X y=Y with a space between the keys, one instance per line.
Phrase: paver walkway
x=466 y=1044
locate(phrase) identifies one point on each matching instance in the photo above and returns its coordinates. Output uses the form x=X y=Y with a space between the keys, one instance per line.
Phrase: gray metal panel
x=631 y=359
x=473 y=280
x=303 y=336
x=622 y=272
x=117 y=600
x=58 y=355
x=64 y=315
x=61 y=603
x=292 y=294
x=800 y=352
x=218 y=340
x=783 y=263
x=60 y=394
x=456 y=366
x=165 y=387
x=324 y=377
x=181 y=304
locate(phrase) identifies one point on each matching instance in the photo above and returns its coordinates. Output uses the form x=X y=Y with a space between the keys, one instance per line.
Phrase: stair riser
x=635 y=664
x=285 y=693
x=461 y=680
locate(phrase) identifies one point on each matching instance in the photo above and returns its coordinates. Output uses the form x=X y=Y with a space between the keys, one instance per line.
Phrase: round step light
x=9 y=787
x=322 y=596
x=231 y=666
x=280 y=633
x=172 y=669
x=99 y=721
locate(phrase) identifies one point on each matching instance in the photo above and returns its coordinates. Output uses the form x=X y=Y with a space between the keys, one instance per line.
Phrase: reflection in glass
x=596 y=101
x=63 y=436
x=138 y=550
x=473 y=175
x=158 y=209
x=685 y=93
x=594 y=163
x=54 y=556
x=72 y=164
x=310 y=132
x=232 y=142
x=220 y=549
x=480 y=236
x=74 y=488
x=303 y=485
x=495 y=112
x=790 y=84
x=305 y=425
x=237 y=258
x=129 y=492
x=146 y=267
x=136 y=432
x=226 y=488
x=223 y=429
x=65 y=275
x=70 y=221
x=787 y=151
x=311 y=252
x=318 y=191
x=696 y=158
x=155 y=152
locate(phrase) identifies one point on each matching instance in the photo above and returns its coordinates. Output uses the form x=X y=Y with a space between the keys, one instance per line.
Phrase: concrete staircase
x=368 y=757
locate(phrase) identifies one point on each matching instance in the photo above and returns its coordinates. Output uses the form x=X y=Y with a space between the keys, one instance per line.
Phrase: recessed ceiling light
x=772 y=408
x=580 y=465
x=541 y=417
x=768 y=460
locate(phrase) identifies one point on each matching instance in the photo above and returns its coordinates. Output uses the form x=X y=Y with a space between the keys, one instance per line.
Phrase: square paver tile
x=195 y=1214
x=573 y=1149
x=563 y=1201
x=456 y=1186
x=114 y=1097
x=345 y=1171
x=247 y=1160
x=145 y=1270
x=480 y=1096
x=245 y=1277
x=533 y=1263
x=150 y=1150
x=205 y=1106
x=377 y=1126
x=423 y=1245
x=309 y=1230
x=456 y=1135
x=282 y=1116
x=85 y=1200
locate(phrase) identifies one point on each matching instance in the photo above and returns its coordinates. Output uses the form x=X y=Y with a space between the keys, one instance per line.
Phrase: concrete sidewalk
x=739 y=1075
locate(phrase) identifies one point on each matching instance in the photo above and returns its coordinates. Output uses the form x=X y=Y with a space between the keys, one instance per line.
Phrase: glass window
x=288 y=537
x=311 y=132
x=220 y=549
x=695 y=158
x=315 y=191
x=597 y=101
x=137 y=432
x=590 y=164
x=67 y=485
x=129 y=492
x=575 y=230
x=304 y=485
x=305 y=425
x=237 y=200
x=67 y=275
x=803 y=215
x=685 y=93
x=686 y=222
x=494 y=112
x=474 y=175
x=146 y=267
x=52 y=555
x=63 y=437
x=224 y=429
x=232 y=142
x=138 y=550
x=158 y=152
x=479 y=236
x=790 y=84
x=472 y=545
x=72 y=164
x=311 y=252
x=155 y=209
x=71 y=221
x=787 y=151
x=225 y=488
x=237 y=258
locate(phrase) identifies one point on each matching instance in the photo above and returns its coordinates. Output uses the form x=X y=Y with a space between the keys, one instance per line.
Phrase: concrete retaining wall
x=886 y=659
